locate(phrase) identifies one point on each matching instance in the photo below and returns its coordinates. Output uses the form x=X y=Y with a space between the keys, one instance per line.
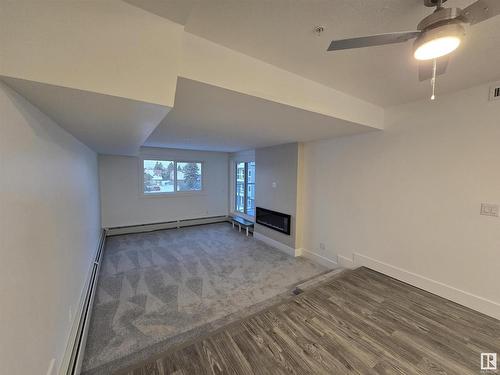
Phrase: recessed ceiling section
x=281 y=32
x=207 y=117
x=107 y=124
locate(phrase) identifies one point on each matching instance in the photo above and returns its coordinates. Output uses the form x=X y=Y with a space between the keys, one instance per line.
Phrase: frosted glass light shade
x=437 y=47
x=438 y=42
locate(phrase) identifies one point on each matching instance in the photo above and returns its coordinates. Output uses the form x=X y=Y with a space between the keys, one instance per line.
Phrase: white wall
x=122 y=201
x=242 y=156
x=408 y=198
x=277 y=165
x=49 y=223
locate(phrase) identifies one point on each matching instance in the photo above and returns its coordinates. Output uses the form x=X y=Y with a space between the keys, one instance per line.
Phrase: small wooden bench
x=241 y=223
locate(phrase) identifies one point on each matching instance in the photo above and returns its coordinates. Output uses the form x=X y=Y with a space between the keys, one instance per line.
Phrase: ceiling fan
x=437 y=35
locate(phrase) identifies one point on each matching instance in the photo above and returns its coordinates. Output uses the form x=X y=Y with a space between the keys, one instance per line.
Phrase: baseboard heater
x=141 y=228
x=76 y=358
x=78 y=346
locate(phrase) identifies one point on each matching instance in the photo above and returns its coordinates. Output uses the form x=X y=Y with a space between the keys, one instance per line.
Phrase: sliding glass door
x=245 y=188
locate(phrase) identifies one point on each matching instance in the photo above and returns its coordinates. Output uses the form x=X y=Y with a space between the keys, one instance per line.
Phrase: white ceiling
x=107 y=124
x=175 y=10
x=207 y=117
x=280 y=32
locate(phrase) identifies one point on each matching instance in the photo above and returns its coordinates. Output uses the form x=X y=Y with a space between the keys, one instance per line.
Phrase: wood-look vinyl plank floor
x=361 y=322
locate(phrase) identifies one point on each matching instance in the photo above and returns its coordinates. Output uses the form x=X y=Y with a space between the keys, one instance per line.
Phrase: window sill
x=244 y=216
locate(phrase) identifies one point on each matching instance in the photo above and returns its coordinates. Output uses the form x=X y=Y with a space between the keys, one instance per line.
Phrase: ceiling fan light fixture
x=438 y=42
x=437 y=47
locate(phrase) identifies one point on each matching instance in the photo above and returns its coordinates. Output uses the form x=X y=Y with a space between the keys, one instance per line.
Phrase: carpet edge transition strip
x=125 y=364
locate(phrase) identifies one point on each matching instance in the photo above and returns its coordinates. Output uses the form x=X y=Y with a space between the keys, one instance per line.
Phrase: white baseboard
x=278 y=245
x=346 y=262
x=449 y=292
x=320 y=259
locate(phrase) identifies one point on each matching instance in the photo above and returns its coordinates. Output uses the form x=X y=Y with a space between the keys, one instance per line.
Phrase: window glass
x=245 y=188
x=158 y=176
x=188 y=176
x=250 y=209
x=251 y=172
x=240 y=187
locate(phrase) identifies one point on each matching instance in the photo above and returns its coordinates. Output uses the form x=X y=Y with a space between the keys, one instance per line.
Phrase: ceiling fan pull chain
x=433 y=80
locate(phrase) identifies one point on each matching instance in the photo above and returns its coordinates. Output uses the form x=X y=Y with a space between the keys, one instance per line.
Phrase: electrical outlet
x=489 y=209
x=322 y=246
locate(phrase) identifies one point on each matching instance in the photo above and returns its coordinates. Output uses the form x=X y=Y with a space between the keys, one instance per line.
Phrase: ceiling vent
x=495 y=93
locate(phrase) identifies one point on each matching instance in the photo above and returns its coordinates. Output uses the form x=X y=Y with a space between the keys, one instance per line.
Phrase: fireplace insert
x=274 y=220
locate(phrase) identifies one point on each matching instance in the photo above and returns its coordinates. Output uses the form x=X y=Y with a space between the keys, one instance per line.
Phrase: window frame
x=245 y=178
x=174 y=193
x=245 y=189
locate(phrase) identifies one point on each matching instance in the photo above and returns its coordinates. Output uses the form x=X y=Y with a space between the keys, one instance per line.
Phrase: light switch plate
x=489 y=209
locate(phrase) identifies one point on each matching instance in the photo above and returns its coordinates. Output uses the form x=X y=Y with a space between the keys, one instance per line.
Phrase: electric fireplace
x=275 y=220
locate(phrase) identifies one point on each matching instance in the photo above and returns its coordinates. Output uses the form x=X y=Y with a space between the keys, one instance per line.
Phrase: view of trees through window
x=245 y=188
x=188 y=176
x=168 y=176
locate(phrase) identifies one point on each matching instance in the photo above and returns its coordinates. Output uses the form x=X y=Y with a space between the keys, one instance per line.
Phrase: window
x=245 y=188
x=188 y=176
x=169 y=176
x=158 y=176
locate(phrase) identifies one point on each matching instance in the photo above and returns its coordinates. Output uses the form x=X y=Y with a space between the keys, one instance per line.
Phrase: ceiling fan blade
x=372 y=40
x=481 y=10
x=425 y=68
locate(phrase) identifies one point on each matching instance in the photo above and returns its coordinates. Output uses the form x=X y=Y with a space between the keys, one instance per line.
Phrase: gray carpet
x=156 y=289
